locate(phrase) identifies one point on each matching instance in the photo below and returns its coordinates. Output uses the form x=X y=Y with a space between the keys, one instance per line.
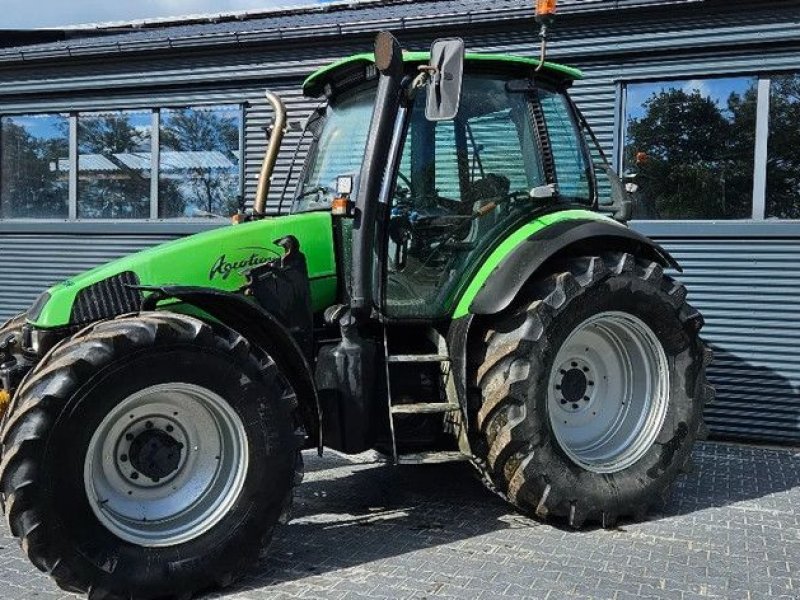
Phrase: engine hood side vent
x=107 y=298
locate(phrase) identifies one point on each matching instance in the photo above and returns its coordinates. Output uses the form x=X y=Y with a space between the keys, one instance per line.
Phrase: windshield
x=339 y=150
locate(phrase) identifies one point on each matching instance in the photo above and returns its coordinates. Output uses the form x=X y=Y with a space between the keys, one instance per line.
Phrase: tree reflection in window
x=783 y=163
x=114 y=165
x=34 y=178
x=691 y=145
x=199 y=161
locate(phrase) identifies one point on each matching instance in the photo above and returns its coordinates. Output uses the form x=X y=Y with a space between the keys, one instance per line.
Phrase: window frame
x=240 y=105
x=760 y=142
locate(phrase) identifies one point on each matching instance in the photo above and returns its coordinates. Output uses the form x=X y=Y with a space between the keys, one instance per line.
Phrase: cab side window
x=570 y=162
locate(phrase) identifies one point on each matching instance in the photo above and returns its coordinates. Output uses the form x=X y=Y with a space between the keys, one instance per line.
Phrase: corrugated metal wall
x=32 y=262
x=744 y=281
x=748 y=288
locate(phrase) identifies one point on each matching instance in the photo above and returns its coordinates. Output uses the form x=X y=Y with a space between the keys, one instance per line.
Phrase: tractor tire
x=591 y=391
x=12 y=325
x=149 y=456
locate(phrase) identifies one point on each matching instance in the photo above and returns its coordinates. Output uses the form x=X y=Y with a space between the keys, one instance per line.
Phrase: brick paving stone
x=363 y=530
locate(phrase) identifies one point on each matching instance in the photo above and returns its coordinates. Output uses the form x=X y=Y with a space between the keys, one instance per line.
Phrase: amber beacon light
x=545 y=10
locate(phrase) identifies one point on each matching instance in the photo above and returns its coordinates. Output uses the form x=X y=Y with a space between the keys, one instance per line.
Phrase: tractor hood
x=215 y=259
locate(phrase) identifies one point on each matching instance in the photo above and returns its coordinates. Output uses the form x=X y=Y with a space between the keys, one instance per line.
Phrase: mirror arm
x=622 y=208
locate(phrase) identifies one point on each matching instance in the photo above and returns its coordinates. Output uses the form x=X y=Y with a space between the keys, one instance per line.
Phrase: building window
x=34 y=179
x=199 y=161
x=114 y=165
x=691 y=145
x=783 y=150
x=122 y=164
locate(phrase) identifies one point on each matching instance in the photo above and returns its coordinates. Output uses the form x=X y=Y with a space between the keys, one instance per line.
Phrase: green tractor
x=446 y=287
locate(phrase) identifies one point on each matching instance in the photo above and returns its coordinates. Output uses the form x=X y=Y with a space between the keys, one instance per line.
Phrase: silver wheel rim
x=166 y=464
x=608 y=392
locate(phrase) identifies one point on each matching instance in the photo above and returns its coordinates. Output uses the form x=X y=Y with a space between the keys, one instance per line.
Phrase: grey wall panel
x=748 y=289
x=31 y=263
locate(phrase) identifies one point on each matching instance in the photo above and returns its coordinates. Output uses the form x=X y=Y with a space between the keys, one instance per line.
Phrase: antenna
x=545 y=16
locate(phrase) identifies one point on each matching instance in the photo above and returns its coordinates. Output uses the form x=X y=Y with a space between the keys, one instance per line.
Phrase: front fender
x=261 y=329
x=518 y=259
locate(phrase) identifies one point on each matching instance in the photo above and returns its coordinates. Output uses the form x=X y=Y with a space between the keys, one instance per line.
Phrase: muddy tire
x=149 y=456
x=12 y=325
x=591 y=391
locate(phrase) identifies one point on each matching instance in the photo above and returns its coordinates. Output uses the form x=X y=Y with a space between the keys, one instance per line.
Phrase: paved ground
x=731 y=530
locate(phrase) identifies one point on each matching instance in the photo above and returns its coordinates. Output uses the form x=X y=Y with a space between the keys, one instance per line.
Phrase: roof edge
x=316 y=78
x=24 y=54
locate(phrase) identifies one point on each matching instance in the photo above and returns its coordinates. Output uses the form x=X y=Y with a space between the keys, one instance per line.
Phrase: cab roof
x=315 y=83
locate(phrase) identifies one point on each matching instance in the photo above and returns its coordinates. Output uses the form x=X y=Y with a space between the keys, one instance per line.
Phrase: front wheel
x=149 y=457
x=592 y=391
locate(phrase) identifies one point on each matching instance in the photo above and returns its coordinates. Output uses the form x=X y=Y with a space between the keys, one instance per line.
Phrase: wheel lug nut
x=591 y=383
x=575 y=407
x=149 y=424
x=586 y=398
x=585 y=369
x=574 y=364
x=170 y=428
x=129 y=436
x=134 y=475
x=563 y=401
x=124 y=458
x=558 y=386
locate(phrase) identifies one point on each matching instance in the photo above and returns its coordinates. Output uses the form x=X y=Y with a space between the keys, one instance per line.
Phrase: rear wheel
x=592 y=391
x=149 y=457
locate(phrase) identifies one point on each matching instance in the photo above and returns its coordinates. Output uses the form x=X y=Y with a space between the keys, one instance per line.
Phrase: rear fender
x=574 y=237
x=259 y=327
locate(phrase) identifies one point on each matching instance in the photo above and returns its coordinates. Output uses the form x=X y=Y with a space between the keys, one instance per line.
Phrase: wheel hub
x=155 y=454
x=575 y=385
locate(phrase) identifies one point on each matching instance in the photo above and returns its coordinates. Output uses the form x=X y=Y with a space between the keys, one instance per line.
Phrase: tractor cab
x=459 y=185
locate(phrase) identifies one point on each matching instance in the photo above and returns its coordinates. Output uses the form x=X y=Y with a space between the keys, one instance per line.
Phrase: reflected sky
x=718 y=89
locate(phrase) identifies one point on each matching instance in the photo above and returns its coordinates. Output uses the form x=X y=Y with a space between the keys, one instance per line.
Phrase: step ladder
x=420 y=408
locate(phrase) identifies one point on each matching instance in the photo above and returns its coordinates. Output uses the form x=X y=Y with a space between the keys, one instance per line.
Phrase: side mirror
x=447 y=75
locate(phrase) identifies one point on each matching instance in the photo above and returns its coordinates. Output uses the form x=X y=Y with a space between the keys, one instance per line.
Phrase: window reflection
x=34 y=180
x=691 y=145
x=783 y=164
x=199 y=161
x=114 y=165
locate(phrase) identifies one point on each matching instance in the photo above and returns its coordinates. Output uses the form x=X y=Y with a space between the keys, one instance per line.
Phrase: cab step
x=417 y=358
x=431 y=458
x=422 y=408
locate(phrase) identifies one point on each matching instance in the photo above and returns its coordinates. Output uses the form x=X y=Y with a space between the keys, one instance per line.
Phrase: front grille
x=107 y=298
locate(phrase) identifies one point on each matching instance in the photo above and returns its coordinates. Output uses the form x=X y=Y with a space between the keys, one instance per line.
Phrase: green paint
x=510 y=243
x=214 y=259
x=422 y=57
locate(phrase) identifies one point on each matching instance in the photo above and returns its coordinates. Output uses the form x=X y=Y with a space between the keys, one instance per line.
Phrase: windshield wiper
x=320 y=189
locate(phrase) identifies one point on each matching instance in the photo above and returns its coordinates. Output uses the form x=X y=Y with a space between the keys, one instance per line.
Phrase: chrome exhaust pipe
x=271 y=155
